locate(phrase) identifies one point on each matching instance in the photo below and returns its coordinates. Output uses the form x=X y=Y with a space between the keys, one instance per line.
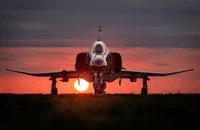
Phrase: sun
x=83 y=85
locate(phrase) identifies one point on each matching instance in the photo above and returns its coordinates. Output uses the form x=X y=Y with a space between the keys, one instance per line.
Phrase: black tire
x=144 y=91
x=99 y=92
x=95 y=91
x=54 y=91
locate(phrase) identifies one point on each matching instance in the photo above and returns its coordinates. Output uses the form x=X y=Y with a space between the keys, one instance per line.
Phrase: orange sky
x=56 y=59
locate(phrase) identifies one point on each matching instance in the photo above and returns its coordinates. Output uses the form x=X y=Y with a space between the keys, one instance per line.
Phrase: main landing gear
x=144 y=89
x=54 y=90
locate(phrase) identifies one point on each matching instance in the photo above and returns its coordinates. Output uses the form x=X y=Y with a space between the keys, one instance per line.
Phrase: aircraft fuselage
x=101 y=66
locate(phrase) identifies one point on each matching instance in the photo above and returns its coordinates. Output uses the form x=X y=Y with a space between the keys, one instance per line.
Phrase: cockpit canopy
x=98 y=49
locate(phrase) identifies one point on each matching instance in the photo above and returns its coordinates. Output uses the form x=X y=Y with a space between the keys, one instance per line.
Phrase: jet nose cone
x=98 y=61
x=98 y=64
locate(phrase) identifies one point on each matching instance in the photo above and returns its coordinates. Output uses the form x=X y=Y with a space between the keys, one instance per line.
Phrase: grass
x=87 y=111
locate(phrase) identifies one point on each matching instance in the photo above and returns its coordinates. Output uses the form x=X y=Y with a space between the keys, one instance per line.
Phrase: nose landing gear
x=99 y=85
x=99 y=88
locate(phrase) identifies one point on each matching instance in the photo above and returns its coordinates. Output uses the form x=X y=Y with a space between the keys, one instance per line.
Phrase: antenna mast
x=100 y=30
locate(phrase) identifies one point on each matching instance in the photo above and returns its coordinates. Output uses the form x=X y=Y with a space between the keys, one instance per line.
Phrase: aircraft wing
x=140 y=74
x=58 y=74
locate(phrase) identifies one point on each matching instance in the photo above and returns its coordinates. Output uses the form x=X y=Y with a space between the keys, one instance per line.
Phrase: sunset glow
x=56 y=59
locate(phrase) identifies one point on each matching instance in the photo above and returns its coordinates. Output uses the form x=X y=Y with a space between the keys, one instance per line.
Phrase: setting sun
x=83 y=85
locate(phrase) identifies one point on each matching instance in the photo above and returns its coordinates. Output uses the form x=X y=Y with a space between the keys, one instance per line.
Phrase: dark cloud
x=96 y=6
x=35 y=59
x=161 y=64
x=125 y=23
x=5 y=58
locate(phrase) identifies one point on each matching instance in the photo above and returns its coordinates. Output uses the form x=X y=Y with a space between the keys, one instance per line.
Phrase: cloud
x=38 y=59
x=88 y=4
x=5 y=58
x=125 y=23
x=161 y=64
x=30 y=26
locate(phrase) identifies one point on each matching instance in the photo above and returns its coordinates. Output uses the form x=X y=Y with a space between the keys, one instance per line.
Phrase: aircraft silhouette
x=99 y=66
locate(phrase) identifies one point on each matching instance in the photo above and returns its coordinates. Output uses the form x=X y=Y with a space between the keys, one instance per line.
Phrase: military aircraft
x=99 y=65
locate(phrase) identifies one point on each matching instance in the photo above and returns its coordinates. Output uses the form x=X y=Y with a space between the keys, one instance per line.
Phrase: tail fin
x=100 y=30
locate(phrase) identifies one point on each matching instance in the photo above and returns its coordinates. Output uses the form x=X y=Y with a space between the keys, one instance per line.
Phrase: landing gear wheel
x=143 y=91
x=99 y=89
x=54 y=91
x=95 y=91
x=99 y=92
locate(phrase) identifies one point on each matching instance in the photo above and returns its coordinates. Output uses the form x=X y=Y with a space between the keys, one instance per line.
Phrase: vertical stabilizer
x=100 y=31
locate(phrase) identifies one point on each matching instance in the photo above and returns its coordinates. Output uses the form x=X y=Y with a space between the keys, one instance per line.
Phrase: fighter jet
x=99 y=66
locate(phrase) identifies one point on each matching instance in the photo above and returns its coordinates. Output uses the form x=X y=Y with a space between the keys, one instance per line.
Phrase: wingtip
x=192 y=69
x=8 y=69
